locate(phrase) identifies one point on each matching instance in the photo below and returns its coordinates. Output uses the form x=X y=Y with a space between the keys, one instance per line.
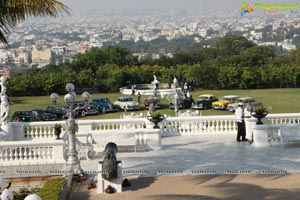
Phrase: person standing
x=139 y=97
x=240 y=116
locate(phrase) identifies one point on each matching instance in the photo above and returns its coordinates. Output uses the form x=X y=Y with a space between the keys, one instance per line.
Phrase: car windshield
x=203 y=98
x=105 y=101
x=126 y=99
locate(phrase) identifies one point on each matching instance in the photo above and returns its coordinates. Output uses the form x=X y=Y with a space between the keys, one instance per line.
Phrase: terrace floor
x=208 y=166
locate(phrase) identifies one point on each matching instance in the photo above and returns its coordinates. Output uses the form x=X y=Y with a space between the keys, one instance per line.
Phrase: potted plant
x=259 y=112
x=155 y=118
x=57 y=130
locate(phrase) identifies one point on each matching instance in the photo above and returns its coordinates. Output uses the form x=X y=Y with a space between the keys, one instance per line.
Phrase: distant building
x=41 y=57
x=58 y=51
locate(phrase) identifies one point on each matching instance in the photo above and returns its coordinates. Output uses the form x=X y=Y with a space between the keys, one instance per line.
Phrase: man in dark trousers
x=240 y=116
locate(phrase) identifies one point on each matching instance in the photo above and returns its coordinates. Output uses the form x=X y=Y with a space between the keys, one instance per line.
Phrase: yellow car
x=224 y=101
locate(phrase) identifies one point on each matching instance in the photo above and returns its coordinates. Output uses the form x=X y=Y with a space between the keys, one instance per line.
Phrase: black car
x=59 y=110
x=183 y=102
x=204 y=102
x=83 y=109
x=33 y=115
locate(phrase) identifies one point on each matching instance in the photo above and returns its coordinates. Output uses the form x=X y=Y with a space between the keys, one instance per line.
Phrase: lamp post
x=85 y=97
x=176 y=103
x=54 y=97
x=73 y=163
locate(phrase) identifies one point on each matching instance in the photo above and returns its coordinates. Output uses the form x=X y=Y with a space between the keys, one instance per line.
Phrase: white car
x=126 y=103
x=248 y=102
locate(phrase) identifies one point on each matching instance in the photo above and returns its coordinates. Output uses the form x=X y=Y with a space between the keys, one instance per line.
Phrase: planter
x=57 y=132
x=156 y=120
x=259 y=116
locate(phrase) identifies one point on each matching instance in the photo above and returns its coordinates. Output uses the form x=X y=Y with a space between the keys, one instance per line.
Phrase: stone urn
x=259 y=114
x=57 y=130
x=155 y=119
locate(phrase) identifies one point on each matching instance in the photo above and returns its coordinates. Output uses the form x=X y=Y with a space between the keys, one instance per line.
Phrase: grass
x=281 y=101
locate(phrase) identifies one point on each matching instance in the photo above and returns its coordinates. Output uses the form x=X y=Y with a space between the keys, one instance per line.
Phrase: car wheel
x=103 y=110
x=83 y=113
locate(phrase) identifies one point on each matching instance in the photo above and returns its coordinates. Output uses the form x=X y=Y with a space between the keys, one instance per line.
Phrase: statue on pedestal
x=5 y=109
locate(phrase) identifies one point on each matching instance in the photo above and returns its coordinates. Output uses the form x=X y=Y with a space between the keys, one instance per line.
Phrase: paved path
x=209 y=166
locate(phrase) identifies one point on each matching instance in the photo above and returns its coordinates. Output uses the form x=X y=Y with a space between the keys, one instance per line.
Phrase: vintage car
x=59 y=110
x=183 y=102
x=104 y=105
x=33 y=115
x=83 y=109
x=249 y=102
x=204 y=102
x=126 y=103
x=224 y=101
x=155 y=101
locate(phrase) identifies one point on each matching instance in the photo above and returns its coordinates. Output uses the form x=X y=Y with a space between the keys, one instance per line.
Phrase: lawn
x=281 y=101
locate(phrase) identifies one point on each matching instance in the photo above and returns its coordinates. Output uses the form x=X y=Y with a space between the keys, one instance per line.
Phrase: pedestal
x=116 y=183
x=250 y=123
x=7 y=129
x=260 y=136
x=153 y=139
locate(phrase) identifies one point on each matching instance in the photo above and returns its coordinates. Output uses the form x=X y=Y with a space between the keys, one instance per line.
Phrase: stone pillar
x=260 y=136
x=7 y=130
x=116 y=183
x=250 y=123
x=153 y=139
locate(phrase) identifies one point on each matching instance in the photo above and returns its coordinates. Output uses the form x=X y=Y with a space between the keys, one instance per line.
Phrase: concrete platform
x=206 y=154
x=209 y=166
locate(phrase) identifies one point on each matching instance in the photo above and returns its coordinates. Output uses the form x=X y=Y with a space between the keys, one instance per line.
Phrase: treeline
x=232 y=62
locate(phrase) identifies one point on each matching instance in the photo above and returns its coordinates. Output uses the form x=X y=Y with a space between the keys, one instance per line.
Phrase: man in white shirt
x=240 y=115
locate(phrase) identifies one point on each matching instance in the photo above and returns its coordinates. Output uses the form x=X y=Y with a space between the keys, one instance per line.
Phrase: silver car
x=249 y=102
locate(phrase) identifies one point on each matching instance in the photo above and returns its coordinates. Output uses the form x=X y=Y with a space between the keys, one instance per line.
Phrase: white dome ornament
x=33 y=197
x=7 y=195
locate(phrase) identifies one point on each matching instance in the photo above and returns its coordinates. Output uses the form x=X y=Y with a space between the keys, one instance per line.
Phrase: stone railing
x=31 y=152
x=170 y=126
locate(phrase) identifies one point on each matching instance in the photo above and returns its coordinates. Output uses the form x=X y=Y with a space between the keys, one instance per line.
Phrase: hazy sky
x=94 y=5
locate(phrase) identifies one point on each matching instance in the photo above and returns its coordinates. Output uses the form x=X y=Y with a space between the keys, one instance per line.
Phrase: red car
x=152 y=100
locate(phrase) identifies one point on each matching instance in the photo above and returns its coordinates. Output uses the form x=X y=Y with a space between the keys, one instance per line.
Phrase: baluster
x=21 y=153
x=35 y=156
x=16 y=156
x=31 y=150
x=1 y=153
x=9 y=153
x=5 y=154
x=44 y=150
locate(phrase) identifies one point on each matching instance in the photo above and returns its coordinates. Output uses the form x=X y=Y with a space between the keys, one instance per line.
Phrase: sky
x=94 y=6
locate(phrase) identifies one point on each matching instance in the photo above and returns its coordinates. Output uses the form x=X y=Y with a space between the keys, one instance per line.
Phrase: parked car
x=126 y=103
x=33 y=115
x=152 y=100
x=224 y=101
x=83 y=109
x=183 y=102
x=249 y=102
x=204 y=102
x=104 y=105
x=59 y=110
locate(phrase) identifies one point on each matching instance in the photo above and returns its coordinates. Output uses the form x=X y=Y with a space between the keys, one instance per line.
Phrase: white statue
x=155 y=82
x=175 y=81
x=5 y=109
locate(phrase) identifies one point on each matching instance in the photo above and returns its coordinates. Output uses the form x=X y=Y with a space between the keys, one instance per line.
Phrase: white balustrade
x=170 y=126
x=35 y=143
x=31 y=152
